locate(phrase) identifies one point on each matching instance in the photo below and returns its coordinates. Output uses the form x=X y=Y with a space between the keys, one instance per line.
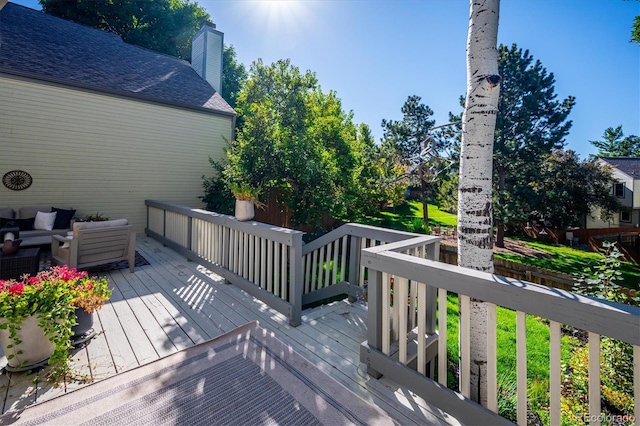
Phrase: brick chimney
x=206 y=54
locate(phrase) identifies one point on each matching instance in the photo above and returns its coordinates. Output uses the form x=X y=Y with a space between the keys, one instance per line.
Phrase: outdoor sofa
x=37 y=229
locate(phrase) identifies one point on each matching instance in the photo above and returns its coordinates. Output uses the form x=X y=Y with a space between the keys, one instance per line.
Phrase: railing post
x=164 y=223
x=189 y=233
x=296 y=284
x=433 y=253
x=226 y=245
x=374 y=322
x=354 y=260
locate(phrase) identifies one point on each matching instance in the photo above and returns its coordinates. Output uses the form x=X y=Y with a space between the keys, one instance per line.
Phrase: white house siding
x=102 y=153
x=621 y=177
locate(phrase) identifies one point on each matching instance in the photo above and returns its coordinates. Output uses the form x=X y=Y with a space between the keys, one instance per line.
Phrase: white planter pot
x=244 y=210
x=36 y=348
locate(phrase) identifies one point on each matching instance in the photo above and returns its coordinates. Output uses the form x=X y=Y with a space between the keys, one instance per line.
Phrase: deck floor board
x=173 y=303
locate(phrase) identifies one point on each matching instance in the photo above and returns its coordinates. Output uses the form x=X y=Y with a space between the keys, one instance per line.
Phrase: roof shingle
x=628 y=165
x=40 y=46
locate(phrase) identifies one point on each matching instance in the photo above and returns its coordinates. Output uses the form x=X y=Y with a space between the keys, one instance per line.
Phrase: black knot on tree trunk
x=493 y=79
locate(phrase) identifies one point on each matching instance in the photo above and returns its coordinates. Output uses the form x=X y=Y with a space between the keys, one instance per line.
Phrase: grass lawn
x=537 y=357
x=408 y=217
x=570 y=260
x=404 y=216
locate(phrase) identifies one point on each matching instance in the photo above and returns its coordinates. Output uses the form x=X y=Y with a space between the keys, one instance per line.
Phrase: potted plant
x=37 y=315
x=98 y=217
x=246 y=199
x=89 y=295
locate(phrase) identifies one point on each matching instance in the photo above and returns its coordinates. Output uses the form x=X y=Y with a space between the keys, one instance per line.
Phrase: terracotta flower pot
x=35 y=346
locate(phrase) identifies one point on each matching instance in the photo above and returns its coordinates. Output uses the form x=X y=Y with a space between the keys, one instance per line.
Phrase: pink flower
x=16 y=289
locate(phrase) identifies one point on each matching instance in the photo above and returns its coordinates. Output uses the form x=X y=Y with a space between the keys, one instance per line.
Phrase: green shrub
x=616 y=357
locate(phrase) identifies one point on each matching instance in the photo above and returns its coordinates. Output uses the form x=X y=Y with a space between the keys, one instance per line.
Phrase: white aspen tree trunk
x=475 y=214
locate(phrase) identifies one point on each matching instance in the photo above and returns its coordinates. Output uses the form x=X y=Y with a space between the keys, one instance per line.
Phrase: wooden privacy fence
x=270 y=262
x=520 y=271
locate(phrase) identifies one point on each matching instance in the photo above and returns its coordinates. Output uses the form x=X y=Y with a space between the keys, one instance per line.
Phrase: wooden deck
x=172 y=304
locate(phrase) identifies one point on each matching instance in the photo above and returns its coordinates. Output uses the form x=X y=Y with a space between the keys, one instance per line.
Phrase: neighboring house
x=626 y=172
x=102 y=125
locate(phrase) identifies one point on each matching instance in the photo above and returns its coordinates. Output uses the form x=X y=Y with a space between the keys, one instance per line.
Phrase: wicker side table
x=25 y=261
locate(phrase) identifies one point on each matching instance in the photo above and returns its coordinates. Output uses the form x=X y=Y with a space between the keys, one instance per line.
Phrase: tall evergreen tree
x=410 y=138
x=531 y=122
x=615 y=144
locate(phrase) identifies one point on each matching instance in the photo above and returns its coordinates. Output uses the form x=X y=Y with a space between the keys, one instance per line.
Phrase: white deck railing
x=259 y=258
x=269 y=262
x=331 y=263
x=414 y=275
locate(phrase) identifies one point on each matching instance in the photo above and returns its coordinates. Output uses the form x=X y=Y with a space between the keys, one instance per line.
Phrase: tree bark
x=475 y=217
x=500 y=224
x=426 y=192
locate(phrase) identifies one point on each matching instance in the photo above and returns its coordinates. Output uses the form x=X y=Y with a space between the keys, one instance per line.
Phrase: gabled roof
x=44 y=47
x=628 y=165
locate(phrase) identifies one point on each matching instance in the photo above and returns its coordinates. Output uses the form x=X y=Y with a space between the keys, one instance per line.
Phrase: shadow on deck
x=172 y=304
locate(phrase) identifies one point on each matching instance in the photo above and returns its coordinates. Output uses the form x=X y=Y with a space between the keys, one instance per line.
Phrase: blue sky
x=376 y=53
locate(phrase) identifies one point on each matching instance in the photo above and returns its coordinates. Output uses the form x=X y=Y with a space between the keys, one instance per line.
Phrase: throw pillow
x=44 y=221
x=63 y=218
x=25 y=224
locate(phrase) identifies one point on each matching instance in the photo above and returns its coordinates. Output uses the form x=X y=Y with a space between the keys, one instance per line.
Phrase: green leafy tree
x=234 y=75
x=531 y=123
x=635 y=30
x=164 y=26
x=298 y=144
x=384 y=175
x=217 y=191
x=567 y=190
x=411 y=139
x=615 y=144
x=446 y=187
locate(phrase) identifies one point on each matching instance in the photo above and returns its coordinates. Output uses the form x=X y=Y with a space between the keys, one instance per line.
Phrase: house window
x=625 y=216
x=618 y=190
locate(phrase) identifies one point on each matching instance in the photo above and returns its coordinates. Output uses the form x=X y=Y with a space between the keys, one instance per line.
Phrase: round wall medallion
x=17 y=180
